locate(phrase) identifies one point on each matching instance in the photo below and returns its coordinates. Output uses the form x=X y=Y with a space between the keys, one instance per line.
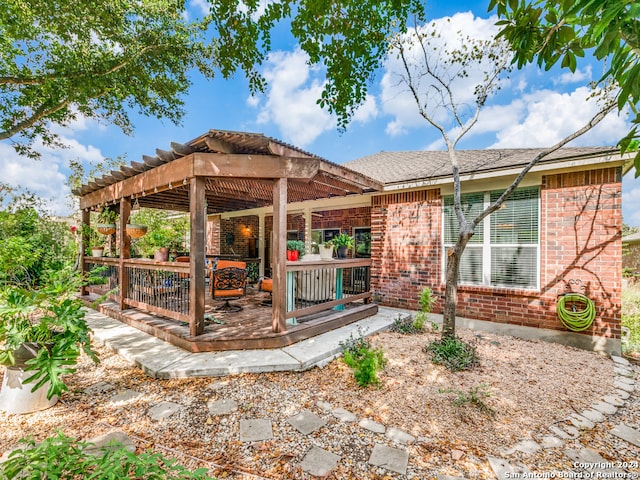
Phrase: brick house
x=560 y=231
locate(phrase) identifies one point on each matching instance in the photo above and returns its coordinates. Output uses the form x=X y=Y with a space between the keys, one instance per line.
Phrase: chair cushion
x=266 y=285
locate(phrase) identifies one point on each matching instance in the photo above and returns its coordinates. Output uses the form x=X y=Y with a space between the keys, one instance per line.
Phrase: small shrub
x=365 y=361
x=473 y=396
x=63 y=457
x=407 y=325
x=453 y=353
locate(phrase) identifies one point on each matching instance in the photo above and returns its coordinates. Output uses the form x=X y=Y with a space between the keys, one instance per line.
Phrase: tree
x=63 y=59
x=438 y=77
x=349 y=37
x=546 y=31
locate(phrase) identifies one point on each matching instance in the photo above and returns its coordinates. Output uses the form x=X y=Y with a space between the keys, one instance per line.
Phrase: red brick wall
x=581 y=221
x=405 y=246
x=242 y=229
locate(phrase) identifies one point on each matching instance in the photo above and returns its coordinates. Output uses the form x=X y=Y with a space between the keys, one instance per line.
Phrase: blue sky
x=532 y=109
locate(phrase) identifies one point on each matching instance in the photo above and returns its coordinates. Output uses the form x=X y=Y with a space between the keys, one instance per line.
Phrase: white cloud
x=396 y=98
x=579 y=76
x=201 y=6
x=545 y=117
x=294 y=88
x=47 y=176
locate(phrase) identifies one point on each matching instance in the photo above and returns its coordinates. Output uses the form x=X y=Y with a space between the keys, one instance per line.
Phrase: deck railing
x=158 y=287
x=313 y=287
x=163 y=287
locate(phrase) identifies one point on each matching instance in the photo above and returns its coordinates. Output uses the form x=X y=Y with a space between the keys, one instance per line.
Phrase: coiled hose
x=573 y=318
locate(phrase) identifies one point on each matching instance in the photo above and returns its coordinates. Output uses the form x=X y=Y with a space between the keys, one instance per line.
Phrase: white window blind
x=504 y=250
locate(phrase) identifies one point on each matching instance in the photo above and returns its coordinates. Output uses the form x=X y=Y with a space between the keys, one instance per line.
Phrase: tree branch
x=39 y=114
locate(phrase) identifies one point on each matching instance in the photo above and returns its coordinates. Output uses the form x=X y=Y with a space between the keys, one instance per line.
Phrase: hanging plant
x=107 y=222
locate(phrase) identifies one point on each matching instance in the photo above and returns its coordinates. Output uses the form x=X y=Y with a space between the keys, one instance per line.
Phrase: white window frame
x=487 y=245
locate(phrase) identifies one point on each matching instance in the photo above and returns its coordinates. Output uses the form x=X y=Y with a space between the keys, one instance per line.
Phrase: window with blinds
x=504 y=250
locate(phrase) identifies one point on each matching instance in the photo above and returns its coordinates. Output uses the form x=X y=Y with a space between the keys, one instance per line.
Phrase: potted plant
x=295 y=249
x=93 y=242
x=107 y=221
x=343 y=242
x=326 y=251
x=42 y=335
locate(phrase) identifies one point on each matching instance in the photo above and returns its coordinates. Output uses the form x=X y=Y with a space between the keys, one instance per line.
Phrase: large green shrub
x=32 y=241
x=65 y=458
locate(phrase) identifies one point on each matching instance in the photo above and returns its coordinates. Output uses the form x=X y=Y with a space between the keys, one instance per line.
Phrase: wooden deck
x=248 y=329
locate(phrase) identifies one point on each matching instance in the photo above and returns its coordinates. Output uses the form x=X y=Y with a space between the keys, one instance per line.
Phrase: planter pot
x=342 y=252
x=15 y=395
x=106 y=228
x=161 y=254
x=136 y=231
x=97 y=251
x=292 y=255
x=326 y=253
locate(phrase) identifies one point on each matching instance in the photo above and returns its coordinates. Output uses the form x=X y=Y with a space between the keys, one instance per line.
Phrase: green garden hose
x=575 y=318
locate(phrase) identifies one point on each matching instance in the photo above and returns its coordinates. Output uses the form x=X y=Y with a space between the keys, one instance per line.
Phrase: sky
x=533 y=108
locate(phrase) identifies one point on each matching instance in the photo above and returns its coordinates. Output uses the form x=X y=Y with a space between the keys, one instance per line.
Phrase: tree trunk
x=451 y=286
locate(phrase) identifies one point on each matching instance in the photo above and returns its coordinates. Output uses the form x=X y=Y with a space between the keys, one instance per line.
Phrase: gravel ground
x=531 y=385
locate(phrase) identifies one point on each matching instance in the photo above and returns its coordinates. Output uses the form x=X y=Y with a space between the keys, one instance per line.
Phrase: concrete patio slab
x=160 y=359
x=626 y=433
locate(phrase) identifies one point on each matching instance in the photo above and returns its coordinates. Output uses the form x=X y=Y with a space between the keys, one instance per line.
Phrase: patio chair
x=265 y=284
x=228 y=282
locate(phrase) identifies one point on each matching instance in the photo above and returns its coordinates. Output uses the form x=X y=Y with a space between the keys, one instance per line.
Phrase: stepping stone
x=393 y=459
x=100 y=387
x=505 y=471
x=620 y=360
x=343 y=415
x=595 y=416
x=623 y=386
x=527 y=446
x=625 y=372
x=568 y=433
x=400 y=436
x=319 y=462
x=306 y=422
x=614 y=400
x=623 y=394
x=628 y=434
x=163 y=410
x=605 y=408
x=448 y=477
x=125 y=397
x=372 y=426
x=255 y=430
x=592 y=462
x=109 y=442
x=222 y=407
x=324 y=406
x=628 y=381
x=580 y=422
x=551 y=441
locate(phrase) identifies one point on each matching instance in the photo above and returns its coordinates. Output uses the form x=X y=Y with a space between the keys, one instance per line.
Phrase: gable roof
x=411 y=166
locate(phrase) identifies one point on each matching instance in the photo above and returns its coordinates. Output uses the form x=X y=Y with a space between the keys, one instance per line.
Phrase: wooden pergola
x=220 y=171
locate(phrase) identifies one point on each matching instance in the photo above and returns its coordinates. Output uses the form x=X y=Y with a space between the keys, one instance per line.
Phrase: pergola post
x=197 y=254
x=279 y=254
x=261 y=244
x=125 y=250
